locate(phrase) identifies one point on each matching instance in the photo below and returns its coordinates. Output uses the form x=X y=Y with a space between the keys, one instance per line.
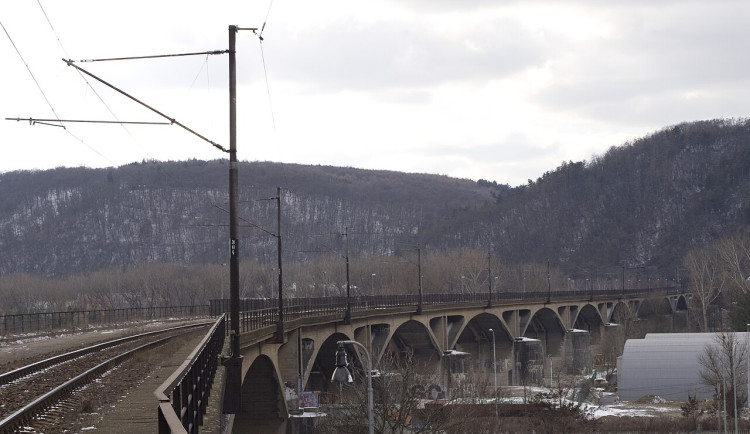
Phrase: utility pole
x=233 y=363
x=280 y=323
x=419 y=272
x=348 y=314
x=549 y=286
x=489 y=275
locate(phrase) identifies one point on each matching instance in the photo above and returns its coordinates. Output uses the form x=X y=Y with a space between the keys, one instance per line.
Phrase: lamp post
x=494 y=369
x=223 y=290
x=550 y=370
x=549 y=285
x=348 y=314
x=419 y=273
x=372 y=284
x=341 y=373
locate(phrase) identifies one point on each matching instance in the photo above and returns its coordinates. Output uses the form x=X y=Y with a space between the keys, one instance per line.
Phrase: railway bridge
x=286 y=367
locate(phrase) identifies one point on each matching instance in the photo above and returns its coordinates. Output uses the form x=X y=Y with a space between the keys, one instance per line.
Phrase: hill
x=640 y=204
x=77 y=220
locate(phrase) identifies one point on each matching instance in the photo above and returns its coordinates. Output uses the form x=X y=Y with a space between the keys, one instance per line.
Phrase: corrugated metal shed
x=666 y=365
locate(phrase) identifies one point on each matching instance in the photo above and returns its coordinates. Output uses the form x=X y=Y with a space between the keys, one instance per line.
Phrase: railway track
x=34 y=398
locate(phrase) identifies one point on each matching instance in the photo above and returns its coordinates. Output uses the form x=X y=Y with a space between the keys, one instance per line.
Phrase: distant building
x=667 y=365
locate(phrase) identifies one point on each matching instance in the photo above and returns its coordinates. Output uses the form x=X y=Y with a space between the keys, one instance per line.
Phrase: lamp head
x=341 y=373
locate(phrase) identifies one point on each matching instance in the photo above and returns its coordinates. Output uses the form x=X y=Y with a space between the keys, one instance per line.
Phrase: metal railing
x=263 y=312
x=183 y=397
x=82 y=319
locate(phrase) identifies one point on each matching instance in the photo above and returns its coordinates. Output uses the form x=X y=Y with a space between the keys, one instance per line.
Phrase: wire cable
x=268 y=88
x=62 y=47
x=263 y=59
x=268 y=12
x=156 y=56
x=28 y=68
x=172 y=120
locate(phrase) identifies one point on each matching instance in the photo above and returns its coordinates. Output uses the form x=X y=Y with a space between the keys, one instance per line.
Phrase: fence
x=83 y=319
x=183 y=397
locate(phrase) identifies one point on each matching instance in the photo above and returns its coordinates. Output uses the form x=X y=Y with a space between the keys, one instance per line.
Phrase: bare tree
x=399 y=389
x=708 y=281
x=734 y=254
x=722 y=363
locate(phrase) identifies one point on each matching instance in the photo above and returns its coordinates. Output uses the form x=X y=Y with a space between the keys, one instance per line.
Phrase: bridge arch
x=318 y=373
x=655 y=305
x=476 y=338
x=263 y=406
x=681 y=303
x=588 y=318
x=415 y=338
x=619 y=313
x=546 y=326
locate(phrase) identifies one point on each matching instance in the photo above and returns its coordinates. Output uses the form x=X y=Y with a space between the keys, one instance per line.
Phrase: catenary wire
x=263 y=59
x=268 y=88
x=28 y=68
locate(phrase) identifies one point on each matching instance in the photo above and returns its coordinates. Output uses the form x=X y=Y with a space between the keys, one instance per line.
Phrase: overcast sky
x=497 y=89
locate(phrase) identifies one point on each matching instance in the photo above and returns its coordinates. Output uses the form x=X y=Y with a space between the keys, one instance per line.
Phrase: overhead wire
x=88 y=84
x=28 y=68
x=198 y=74
x=154 y=56
x=172 y=120
x=62 y=47
x=44 y=95
x=82 y=73
x=268 y=88
x=263 y=60
x=101 y=99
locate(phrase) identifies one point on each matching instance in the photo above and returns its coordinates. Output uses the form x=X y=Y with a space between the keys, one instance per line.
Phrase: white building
x=667 y=365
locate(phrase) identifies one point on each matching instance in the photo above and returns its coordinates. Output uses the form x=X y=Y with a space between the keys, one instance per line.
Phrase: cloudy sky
x=497 y=89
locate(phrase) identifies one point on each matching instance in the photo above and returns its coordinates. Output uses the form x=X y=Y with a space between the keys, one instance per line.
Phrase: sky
x=477 y=89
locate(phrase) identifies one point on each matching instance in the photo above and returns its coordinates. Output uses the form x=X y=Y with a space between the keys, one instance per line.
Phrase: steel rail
x=30 y=369
x=44 y=402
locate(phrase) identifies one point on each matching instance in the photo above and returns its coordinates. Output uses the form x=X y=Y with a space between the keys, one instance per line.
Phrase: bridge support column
x=577 y=352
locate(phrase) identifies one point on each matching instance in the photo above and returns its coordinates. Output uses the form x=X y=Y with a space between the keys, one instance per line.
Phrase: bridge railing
x=183 y=397
x=263 y=312
x=82 y=319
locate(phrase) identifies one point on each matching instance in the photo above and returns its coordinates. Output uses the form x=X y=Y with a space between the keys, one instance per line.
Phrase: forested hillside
x=640 y=204
x=643 y=203
x=79 y=220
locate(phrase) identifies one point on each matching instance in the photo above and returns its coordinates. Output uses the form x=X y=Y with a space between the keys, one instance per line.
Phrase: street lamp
x=341 y=373
x=494 y=369
x=372 y=284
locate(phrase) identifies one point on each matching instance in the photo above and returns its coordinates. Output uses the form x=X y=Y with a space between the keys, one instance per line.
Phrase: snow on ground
x=647 y=407
x=631 y=409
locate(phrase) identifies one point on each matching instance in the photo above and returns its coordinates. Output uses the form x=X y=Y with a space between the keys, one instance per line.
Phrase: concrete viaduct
x=450 y=338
